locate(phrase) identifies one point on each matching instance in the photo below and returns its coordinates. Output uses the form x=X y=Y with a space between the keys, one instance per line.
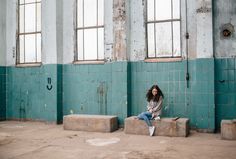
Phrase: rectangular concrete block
x=93 y=123
x=228 y=129
x=164 y=127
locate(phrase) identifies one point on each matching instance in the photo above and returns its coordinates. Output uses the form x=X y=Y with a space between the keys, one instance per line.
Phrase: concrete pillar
x=3 y=33
x=204 y=29
x=120 y=30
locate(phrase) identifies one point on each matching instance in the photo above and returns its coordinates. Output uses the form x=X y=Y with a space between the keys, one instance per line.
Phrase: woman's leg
x=146 y=116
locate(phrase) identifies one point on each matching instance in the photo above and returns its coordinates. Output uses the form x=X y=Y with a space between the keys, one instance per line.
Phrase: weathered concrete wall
x=224 y=15
x=120 y=30
x=3 y=33
x=11 y=32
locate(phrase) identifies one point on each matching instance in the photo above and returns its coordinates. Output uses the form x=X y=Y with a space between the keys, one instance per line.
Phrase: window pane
x=38 y=0
x=22 y=1
x=90 y=12
x=80 y=44
x=29 y=1
x=22 y=49
x=38 y=16
x=163 y=9
x=150 y=10
x=30 y=18
x=176 y=38
x=79 y=13
x=90 y=44
x=21 y=20
x=30 y=48
x=151 y=42
x=163 y=39
x=176 y=9
x=100 y=12
x=101 y=43
x=38 y=47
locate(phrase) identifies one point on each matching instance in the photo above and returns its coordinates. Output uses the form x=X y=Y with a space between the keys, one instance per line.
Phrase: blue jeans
x=146 y=116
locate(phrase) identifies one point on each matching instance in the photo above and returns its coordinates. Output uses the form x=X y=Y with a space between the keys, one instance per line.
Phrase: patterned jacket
x=155 y=107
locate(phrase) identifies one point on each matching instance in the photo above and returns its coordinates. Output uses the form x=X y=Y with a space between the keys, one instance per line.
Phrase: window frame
x=36 y=33
x=83 y=28
x=172 y=20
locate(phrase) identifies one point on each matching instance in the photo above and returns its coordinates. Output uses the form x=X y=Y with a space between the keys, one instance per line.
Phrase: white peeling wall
x=11 y=21
x=3 y=33
x=49 y=53
x=49 y=45
x=137 y=30
x=108 y=32
x=204 y=29
x=68 y=31
x=224 y=13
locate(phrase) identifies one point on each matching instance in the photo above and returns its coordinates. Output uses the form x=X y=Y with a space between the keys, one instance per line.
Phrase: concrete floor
x=35 y=140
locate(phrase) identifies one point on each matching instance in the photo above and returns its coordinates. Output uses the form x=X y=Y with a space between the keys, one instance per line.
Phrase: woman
x=155 y=99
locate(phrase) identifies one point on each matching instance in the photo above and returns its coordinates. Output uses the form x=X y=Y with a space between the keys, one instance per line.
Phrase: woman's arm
x=159 y=105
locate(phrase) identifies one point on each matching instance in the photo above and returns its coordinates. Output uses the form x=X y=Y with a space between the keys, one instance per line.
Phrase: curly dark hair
x=150 y=96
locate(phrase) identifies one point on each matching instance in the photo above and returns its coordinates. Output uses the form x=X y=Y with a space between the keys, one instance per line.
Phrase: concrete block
x=164 y=127
x=228 y=129
x=93 y=123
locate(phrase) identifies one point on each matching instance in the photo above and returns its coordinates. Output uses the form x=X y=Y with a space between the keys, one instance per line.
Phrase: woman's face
x=154 y=91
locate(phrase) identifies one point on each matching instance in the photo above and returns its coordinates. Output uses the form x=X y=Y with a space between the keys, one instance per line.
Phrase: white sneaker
x=151 y=130
x=157 y=118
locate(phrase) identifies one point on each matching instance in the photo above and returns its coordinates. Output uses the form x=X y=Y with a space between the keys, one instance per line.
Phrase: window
x=90 y=30
x=163 y=28
x=29 y=31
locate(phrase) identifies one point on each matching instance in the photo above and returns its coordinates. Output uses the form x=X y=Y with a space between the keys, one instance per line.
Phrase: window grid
x=84 y=28
x=23 y=33
x=155 y=22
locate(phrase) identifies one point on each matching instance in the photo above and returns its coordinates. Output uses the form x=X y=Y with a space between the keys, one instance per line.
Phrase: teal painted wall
x=2 y=93
x=225 y=84
x=116 y=88
x=195 y=102
x=96 y=89
x=27 y=94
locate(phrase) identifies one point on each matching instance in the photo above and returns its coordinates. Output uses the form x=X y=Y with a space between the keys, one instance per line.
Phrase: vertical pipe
x=187 y=37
